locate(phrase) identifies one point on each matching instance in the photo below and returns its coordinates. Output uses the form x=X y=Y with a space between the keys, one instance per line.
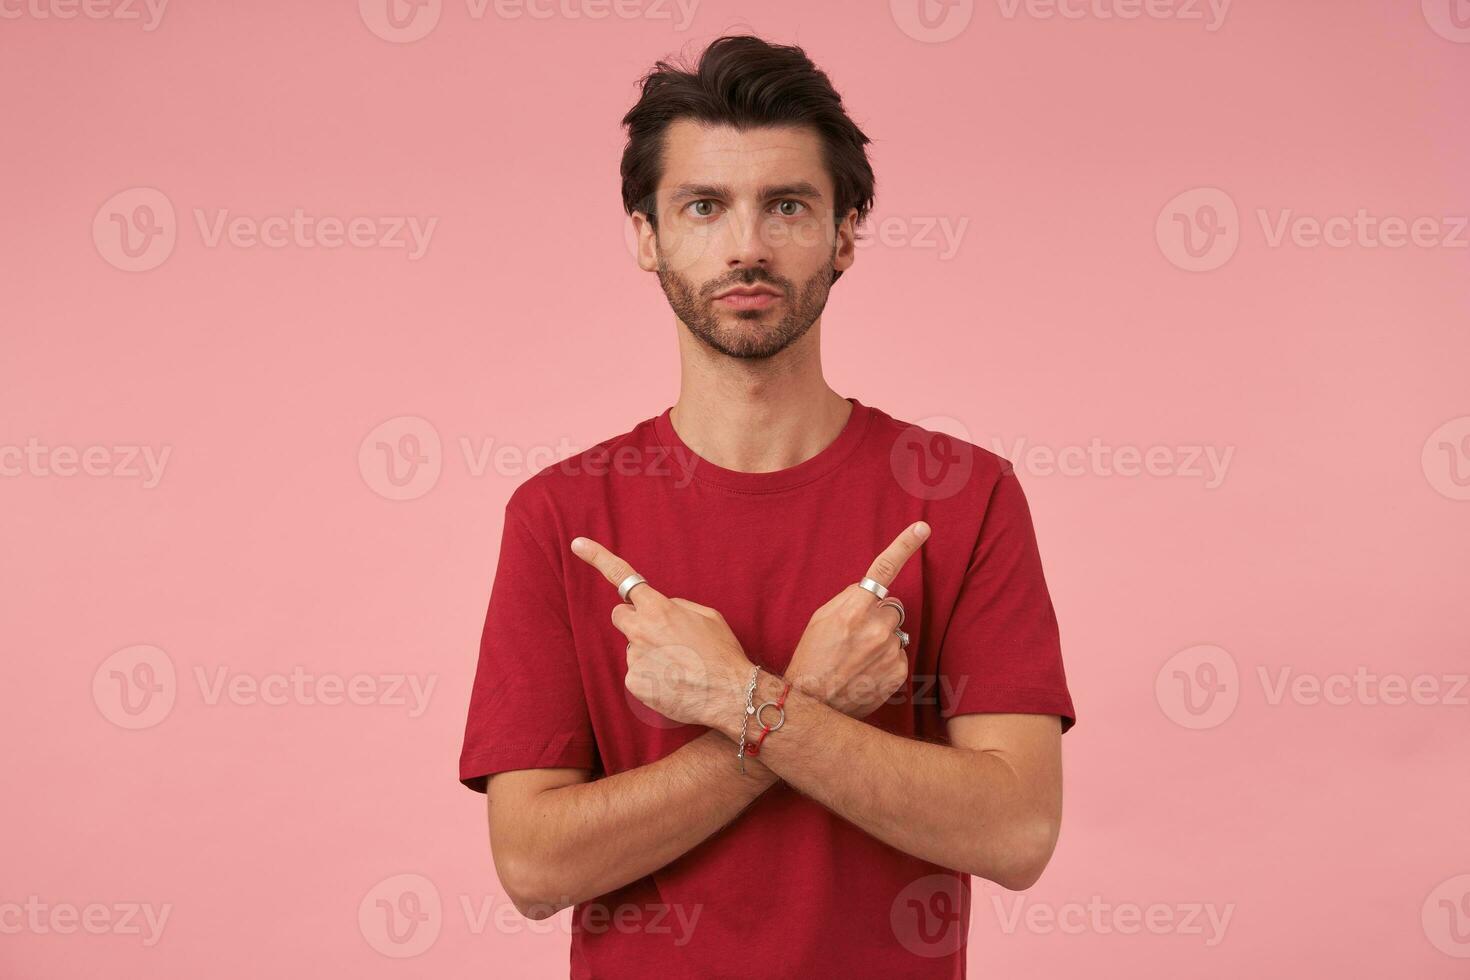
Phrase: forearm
x=959 y=808
x=584 y=840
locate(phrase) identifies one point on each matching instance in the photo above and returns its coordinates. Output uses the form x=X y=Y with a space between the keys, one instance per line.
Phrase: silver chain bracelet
x=749 y=710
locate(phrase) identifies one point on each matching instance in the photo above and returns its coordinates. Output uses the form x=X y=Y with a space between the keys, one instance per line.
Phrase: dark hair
x=744 y=81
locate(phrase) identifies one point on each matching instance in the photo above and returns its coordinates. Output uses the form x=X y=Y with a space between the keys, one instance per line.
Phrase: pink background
x=1335 y=836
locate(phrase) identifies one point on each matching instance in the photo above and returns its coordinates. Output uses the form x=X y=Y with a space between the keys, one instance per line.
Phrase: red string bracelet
x=780 y=705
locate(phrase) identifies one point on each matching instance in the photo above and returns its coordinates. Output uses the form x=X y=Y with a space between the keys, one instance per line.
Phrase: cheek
x=808 y=241
x=692 y=254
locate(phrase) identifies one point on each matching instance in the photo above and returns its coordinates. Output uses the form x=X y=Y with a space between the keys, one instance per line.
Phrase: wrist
x=768 y=687
x=769 y=698
x=728 y=715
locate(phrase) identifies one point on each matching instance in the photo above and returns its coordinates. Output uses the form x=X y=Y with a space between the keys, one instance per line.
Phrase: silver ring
x=893 y=602
x=903 y=638
x=626 y=585
x=874 y=586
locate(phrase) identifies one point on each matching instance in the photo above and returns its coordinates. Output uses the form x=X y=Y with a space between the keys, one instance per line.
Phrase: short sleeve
x=527 y=708
x=1001 y=650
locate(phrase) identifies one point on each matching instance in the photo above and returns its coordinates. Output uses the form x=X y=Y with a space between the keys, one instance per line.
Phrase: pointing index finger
x=886 y=566
x=613 y=568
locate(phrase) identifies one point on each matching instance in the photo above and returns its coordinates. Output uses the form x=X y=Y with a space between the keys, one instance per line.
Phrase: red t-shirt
x=789 y=888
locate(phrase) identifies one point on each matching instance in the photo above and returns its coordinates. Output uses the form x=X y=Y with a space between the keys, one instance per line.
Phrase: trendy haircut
x=744 y=81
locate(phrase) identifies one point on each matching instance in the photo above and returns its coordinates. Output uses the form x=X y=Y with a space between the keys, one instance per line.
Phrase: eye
x=702 y=202
x=794 y=203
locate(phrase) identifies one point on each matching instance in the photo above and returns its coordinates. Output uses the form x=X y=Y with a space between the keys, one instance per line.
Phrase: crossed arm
x=988 y=802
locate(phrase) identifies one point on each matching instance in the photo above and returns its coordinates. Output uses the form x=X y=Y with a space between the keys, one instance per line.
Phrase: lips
x=754 y=297
x=746 y=291
x=747 y=300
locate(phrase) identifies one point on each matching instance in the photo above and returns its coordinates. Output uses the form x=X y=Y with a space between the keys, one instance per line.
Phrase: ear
x=846 y=250
x=645 y=252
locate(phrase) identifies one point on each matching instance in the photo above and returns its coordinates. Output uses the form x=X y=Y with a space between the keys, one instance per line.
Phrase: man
x=839 y=691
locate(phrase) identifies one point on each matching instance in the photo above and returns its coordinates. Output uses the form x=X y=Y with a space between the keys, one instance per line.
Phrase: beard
x=745 y=333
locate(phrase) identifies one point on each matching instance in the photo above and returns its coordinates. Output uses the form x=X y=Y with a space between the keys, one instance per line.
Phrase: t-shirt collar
x=789 y=478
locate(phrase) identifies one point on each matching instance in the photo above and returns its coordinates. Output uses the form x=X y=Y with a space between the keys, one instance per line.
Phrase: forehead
x=741 y=159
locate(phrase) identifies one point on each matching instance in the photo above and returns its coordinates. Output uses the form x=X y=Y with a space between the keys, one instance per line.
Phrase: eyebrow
x=800 y=188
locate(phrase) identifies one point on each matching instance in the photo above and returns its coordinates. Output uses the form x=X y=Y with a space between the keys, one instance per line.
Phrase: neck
x=756 y=416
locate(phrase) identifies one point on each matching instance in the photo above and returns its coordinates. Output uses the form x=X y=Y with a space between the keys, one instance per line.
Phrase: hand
x=849 y=655
x=683 y=660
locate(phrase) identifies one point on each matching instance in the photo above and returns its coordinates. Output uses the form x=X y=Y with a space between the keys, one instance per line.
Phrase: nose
x=749 y=243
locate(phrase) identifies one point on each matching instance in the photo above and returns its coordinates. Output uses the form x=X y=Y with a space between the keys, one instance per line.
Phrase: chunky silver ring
x=626 y=585
x=893 y=602
x=903 y=638
x=874 y=586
